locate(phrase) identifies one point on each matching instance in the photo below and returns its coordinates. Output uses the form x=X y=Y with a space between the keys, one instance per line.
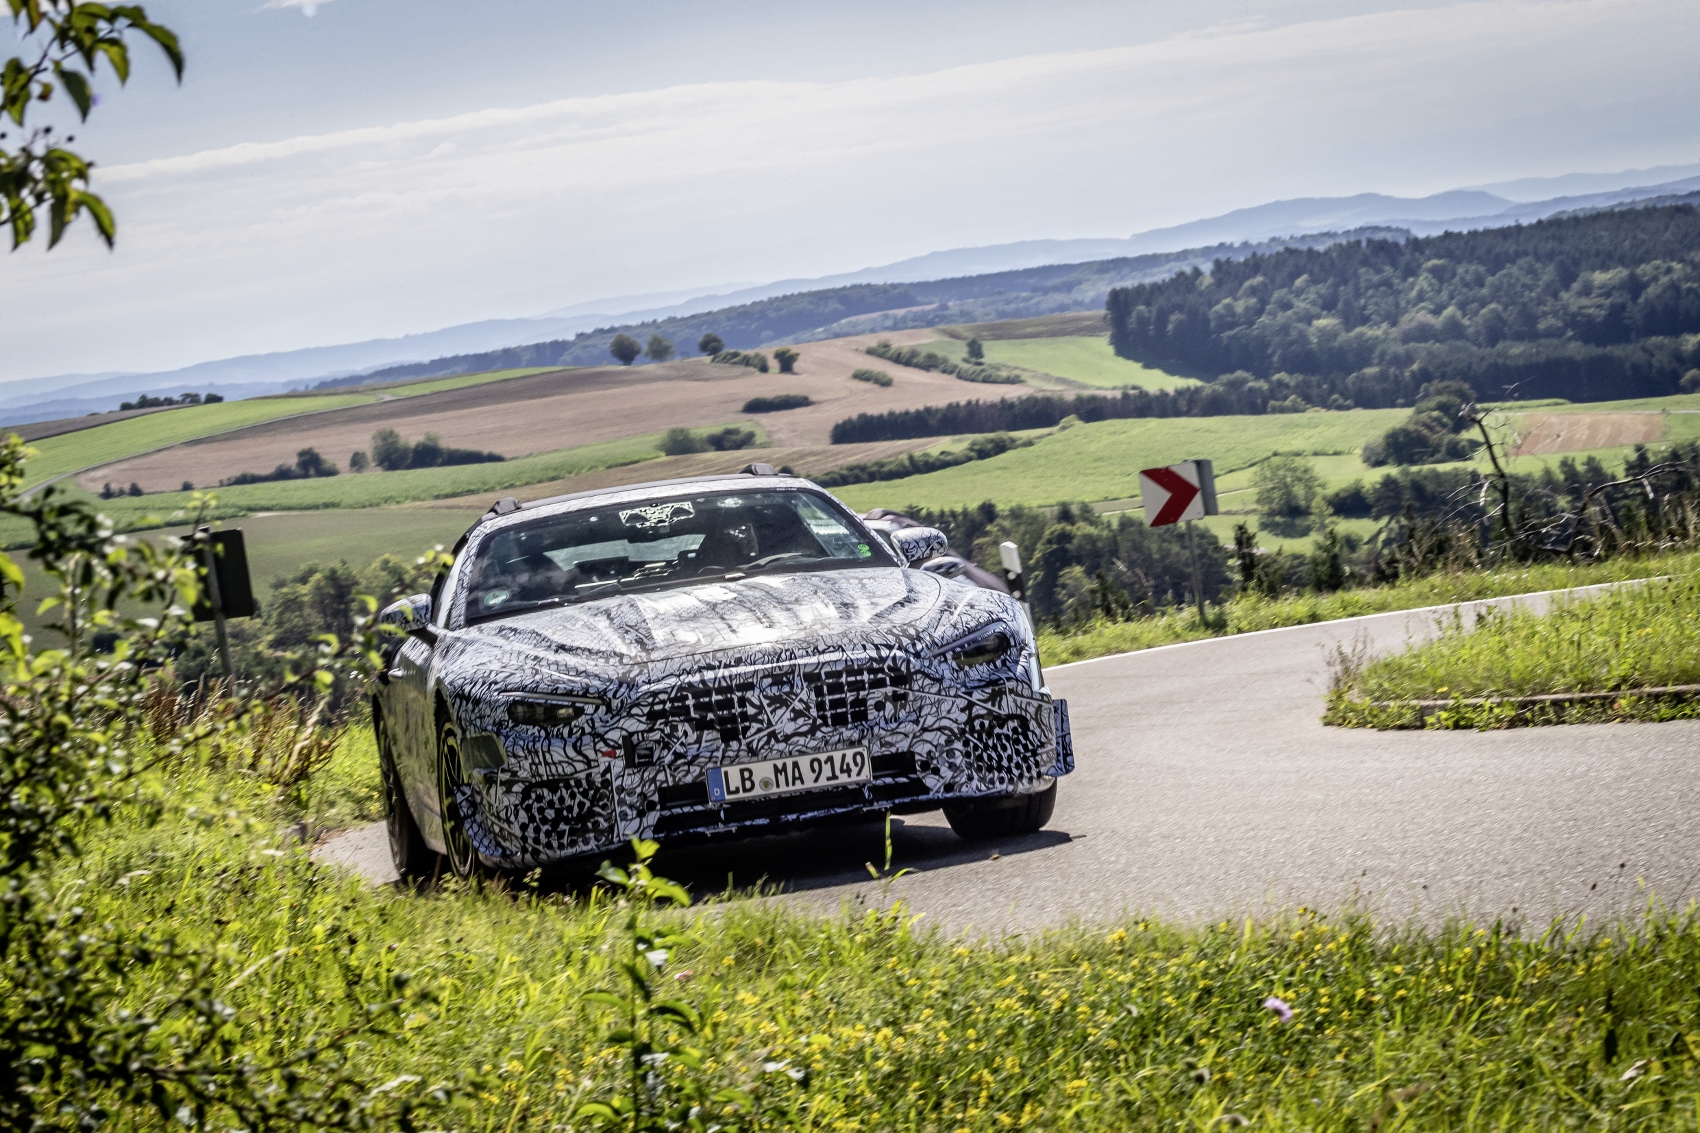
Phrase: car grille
x=724 y=708
x=845 y=696
x=838 y=698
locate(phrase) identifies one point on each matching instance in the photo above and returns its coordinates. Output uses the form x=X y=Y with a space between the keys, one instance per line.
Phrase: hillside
x=1587 y=308
x=536 y=412
x=811 y=316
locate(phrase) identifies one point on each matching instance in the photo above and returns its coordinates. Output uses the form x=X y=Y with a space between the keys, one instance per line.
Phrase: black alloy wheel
x=414 y=861
x=451 y=781
x=1003 y=818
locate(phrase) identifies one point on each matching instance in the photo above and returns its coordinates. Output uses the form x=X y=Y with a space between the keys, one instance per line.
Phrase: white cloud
x=496 y=212
x=309 y=8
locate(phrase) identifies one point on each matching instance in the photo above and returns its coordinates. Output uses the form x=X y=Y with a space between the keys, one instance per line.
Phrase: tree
x=976 y=352
x=787 y=359
x=659 y=349
x=62 y=41
x=710 y=343
x=135 y=488
x=389 y=451
x=357 y=461
x=1287 y=491
x=625 y=348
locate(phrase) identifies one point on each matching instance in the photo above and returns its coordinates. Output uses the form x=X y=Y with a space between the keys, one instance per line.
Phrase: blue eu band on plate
x=782 y=776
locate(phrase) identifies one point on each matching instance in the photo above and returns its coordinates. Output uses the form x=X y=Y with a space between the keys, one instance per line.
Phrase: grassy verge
x=1250 y=613
x=1128 y=1025
x=1636 y=638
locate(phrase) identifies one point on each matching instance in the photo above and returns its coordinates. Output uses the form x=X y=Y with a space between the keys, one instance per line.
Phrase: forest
x=1587 y=308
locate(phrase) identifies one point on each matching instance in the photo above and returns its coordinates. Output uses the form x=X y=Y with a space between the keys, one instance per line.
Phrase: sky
x=351 y=169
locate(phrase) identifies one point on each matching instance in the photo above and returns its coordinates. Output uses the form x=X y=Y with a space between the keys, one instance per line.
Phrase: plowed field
x=564 y=408
x=1578 y=432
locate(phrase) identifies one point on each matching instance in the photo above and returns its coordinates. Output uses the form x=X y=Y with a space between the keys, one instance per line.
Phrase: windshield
x=639 y=546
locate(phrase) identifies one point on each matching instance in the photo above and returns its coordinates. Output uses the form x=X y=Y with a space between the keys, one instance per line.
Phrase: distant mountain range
x=947 y=274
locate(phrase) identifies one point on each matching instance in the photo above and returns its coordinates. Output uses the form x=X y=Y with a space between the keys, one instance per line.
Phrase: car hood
x=759 y=617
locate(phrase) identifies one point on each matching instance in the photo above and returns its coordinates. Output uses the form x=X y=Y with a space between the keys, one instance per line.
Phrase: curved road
x=1207 y=787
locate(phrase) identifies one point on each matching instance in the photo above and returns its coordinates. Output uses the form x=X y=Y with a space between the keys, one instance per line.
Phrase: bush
x=877 y=377
x=915 y=463
x=710 y=343
x=309 y=465
x=680 y=441
x=777 y=402
x=787 y=359
x=625 y=348
x=391 y=453
x=754 y=359
x=357 y=461
x=992 y=373
x=658 y=349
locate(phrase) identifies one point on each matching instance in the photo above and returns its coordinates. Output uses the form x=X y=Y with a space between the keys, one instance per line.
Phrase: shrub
x=625 y=348
x=357 y=461
x=658 y=349
x=993 y=373
x=391 y=453
x=787 y=359
x=710 y=343
x=877 y=377
x=308 y=465
x=915 y=463
x=777 y=402
x=754 y=359
x=730 y=439
x=681 y=441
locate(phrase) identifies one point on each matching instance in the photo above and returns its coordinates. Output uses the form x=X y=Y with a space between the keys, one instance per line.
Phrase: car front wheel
x=451 y=788
x=1002 y=818
x=414 y=861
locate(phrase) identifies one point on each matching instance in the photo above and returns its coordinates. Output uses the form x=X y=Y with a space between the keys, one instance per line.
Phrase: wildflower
x=1279 y=1006
x=684 y=976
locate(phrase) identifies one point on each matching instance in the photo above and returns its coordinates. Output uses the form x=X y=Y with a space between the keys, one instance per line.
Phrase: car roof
x=752 y=475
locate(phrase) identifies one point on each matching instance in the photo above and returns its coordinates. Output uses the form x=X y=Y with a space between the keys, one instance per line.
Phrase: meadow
x=1086 y=359
x=102 y=444
x=1101 y=461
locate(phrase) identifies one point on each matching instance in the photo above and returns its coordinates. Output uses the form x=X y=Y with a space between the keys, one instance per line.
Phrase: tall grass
x=1136 y=1024
x=1250 y=612
x=1623 y=641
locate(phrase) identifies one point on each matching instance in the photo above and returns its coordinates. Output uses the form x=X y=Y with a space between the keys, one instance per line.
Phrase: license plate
x=783 y=776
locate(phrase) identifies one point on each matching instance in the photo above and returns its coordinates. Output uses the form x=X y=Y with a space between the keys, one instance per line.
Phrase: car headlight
x=985 y=646
x=538 y=710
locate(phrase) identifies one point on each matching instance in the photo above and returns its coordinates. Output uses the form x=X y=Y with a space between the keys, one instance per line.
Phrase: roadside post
x=1010 y=556
x=227 y=591
x=1181 y=493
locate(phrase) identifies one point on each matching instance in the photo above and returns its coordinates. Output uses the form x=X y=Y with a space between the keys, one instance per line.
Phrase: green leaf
x=78 y=88
x=607 y=998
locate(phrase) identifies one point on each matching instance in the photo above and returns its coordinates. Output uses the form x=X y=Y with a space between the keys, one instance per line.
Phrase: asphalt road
x=1207 y=787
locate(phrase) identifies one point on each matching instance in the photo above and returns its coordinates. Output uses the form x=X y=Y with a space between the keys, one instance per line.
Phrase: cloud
x=408 y=226
x=309 y=8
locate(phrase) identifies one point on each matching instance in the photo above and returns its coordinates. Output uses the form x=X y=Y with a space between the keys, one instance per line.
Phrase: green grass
x=460 y=381
x=106 y=443
x=1082 y=358
x=1631 y=638
x=1101 y=461
x=1132 y=1024
x=1249 y=613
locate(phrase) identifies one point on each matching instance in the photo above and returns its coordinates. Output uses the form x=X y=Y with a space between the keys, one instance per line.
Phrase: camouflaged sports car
x=694 y=658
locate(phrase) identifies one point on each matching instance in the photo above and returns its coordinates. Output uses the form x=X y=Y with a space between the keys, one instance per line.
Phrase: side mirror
x=409 y=615
x=918 y=544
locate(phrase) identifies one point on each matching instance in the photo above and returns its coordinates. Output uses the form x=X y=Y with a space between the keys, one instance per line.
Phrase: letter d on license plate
x=783 y=776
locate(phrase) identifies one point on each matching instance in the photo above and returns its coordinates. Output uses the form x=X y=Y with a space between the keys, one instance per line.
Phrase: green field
x=1082 y=358
x=103 y=444
x=1101 y=461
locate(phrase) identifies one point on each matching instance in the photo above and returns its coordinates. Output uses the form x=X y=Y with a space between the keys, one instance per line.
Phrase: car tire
x=459 y=854
x=414 y=862
x=1003 y=818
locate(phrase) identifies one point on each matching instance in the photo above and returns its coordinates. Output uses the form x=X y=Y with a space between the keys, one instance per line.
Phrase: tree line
x=1585 y=308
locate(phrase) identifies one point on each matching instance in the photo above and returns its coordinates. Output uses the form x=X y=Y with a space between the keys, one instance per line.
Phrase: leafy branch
x=64 y=42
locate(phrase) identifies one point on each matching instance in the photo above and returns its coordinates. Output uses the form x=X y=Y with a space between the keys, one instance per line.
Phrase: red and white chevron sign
x=1180 y=491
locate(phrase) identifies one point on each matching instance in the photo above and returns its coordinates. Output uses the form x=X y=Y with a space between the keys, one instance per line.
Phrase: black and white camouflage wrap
x=673 y=682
